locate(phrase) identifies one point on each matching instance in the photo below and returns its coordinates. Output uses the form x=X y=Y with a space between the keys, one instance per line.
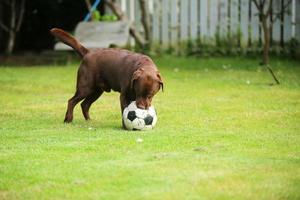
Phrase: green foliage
x=97 y=17
x=109 y=18
x=222 y=133
x=224 y=46
x=294 y=48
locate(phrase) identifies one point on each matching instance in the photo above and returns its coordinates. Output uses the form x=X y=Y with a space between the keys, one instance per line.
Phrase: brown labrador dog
x=134 y=75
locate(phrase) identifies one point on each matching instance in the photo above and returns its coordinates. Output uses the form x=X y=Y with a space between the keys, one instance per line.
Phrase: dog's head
x=145 y=85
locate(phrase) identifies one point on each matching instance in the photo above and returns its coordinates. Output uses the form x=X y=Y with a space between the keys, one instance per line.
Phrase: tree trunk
x=89 y=7
x=121 y=16
x=266 y=59
x=11 y=34
x=266 y=31
x=10 y=43
x=145 y=19
x=1 y=30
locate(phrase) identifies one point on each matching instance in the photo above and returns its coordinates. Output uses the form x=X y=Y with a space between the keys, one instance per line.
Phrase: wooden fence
x=174 y=21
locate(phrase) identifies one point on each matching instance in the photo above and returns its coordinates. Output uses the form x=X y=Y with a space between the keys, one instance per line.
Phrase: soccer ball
x=139 y=119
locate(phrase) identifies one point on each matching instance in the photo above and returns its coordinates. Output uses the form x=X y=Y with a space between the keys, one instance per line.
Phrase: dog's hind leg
x=86 y=104
x=72 y=103
x=84 y=89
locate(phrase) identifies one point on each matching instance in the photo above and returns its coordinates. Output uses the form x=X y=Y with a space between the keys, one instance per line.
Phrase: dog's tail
x=69 y=40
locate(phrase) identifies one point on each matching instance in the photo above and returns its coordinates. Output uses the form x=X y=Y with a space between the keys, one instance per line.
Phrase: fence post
x=193 y=19
x=244 y=23
x=165 y=22
x=203 y=19
x=184 y=20
x=297 y=25
x=174 y=23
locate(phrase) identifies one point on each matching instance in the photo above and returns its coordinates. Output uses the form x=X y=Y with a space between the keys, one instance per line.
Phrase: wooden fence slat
x=127 y=11
x=184 y=20
x=293 y=12
x=287 y=23
x=244 y=24
x=223 y=18
x=130 y=14
x=193 y=19
x=123 y=5
x=130 y=10
x=138 y=16
x=234 y=17
x=150 y=6
x=254 y=23
x=156 y=21
x=203 y=18
x=165 y=22
x=213 y=22
x=297 y=25
x=276 y=24
x=174 y=22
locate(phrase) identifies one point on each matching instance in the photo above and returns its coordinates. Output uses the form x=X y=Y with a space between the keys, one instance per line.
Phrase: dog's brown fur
x=134 y=75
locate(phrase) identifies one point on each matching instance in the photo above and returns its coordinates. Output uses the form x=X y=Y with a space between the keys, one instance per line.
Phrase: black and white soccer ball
x=139 y=119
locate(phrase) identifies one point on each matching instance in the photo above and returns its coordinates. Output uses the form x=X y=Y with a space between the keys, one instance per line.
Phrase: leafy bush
x=97 y=17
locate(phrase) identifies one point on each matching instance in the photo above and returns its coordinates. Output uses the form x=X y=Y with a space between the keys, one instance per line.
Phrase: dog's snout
x=143 y=104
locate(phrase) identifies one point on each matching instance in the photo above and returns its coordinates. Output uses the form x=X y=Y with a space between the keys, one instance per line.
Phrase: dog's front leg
x=124 y=103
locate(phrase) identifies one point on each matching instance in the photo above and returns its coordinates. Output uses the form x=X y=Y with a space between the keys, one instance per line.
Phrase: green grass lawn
x=222 y=133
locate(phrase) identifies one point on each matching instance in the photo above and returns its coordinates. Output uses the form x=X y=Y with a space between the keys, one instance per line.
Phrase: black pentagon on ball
x=131 y=115
x=148 y=120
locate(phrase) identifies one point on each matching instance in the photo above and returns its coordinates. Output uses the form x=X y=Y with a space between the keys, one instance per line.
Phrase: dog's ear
x=136 y=75
x=161 y=84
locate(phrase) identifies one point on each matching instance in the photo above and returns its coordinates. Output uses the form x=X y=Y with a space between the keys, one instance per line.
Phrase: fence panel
x=234 y=19
x=156 y=21
x=193 y=19
x=297 y=25
x=184 y=25
x=244 y=23
x=203 y=19
x=277 y=23
x=254 y=23
x=173 y=21
x=223 y=21
x=213 y=18
x=165 y=22
x=287 y=30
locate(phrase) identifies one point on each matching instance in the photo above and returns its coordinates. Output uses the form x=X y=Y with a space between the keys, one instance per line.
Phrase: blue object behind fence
x=88 y=16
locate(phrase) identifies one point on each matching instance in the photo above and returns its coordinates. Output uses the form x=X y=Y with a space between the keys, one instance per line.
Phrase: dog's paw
x=67 y=120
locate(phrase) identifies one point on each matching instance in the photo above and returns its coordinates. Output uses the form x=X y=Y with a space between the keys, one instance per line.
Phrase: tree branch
x=5 y=28
x=273 y=75
x=256 y=4
x=286 y=5
x=263 y=3
x=270 y=8
x=88 y=5
x=121 y=16
x=116 y=9
x=277 y=15
x=21 y=15
x=145 y=19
